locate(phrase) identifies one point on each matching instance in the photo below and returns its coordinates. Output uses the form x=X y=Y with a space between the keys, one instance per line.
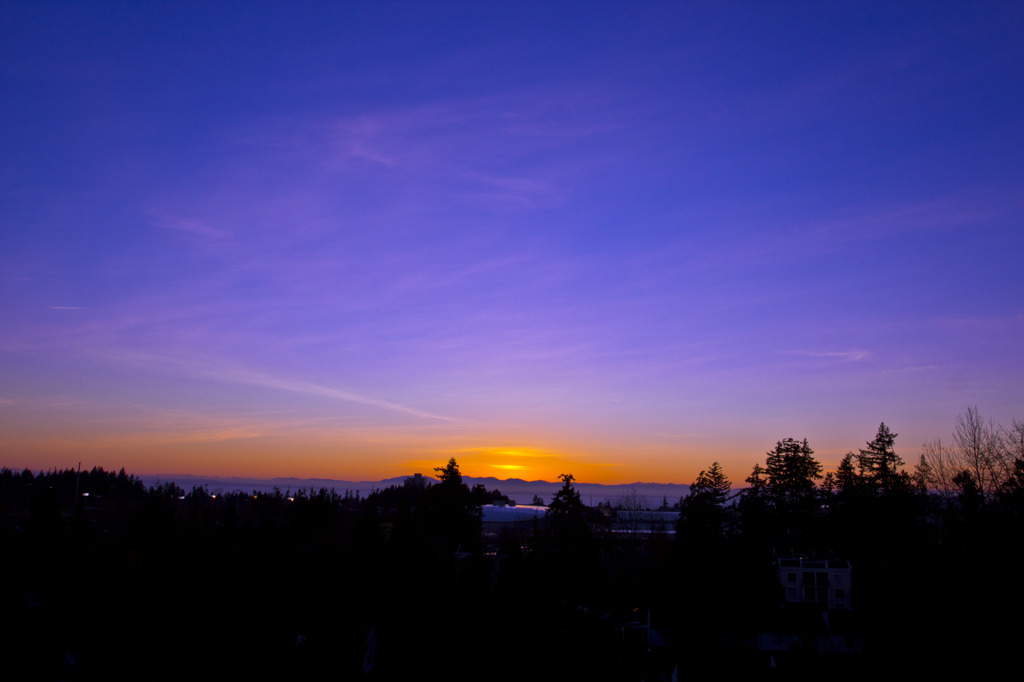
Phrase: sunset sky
x=622 y=240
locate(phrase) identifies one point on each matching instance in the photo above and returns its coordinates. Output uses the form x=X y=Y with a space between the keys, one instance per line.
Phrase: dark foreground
x=136 y=583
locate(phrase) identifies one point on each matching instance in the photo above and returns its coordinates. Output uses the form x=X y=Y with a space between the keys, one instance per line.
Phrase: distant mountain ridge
x=652 y=494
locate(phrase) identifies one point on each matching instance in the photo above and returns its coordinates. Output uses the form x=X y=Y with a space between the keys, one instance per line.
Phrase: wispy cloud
x=56 y=402
x=912 y=369
x=516 y=143
x=200 y=434
x=315 y=389
x=192 y=226
x=505 y=452
x=363 y=139
x=854 y=355
x=239 y=376
x=988 y=325
x=967 y=210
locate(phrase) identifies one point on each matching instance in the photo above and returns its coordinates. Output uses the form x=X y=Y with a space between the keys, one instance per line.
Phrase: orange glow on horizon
x=284 y=448
x=321 y=456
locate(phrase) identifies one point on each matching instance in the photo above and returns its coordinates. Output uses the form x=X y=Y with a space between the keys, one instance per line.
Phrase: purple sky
x=621 y=240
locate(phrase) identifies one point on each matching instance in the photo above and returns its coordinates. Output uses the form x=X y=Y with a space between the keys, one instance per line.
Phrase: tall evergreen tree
x=567 y=520
x=922 y=476
x=449 y=474
x=753 y=506
x=847 y=478
x=567 y=501
x=450 y=511
x=878 y=463
x=756 y=480
x=702 y=512
x=791 y=471
x=711 y=486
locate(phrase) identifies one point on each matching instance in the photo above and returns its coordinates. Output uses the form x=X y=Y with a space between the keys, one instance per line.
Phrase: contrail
x=256 y=379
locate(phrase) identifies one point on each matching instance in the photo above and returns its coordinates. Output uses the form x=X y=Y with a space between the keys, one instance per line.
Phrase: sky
x=618 y=240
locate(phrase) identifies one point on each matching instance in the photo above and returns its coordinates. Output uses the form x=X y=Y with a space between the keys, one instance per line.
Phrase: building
x=825 y=582
x=416 y=481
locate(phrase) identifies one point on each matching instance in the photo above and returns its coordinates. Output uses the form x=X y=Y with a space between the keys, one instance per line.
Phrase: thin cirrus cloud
x=964 y=211
x=198 y=370
x=473 y=143
x=194 y=227
x=854 y=355
x=362 y=139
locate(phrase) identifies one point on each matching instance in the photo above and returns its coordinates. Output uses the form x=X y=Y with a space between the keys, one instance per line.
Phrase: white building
x=825 y=582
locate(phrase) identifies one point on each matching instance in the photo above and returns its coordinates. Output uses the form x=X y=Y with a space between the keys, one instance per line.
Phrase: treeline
x=787 y=498
x=108 y=579
x=935 y=549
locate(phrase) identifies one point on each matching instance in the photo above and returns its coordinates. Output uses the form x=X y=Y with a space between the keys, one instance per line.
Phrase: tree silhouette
x=970 y=496
x=711 y=486
x=450 y=511
x=567 y=514
x=977 y=446
x=791 y=471
x=984 y=450
x=846 y=477
x=702 y=513
x=879 y=464
x=567 y=501
x=754 y=505
x=449 y=474
x=756 y=480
